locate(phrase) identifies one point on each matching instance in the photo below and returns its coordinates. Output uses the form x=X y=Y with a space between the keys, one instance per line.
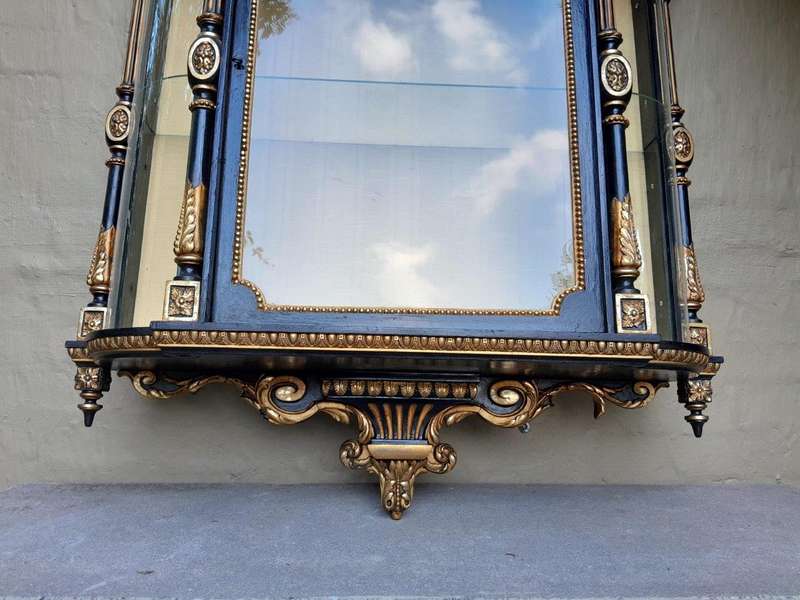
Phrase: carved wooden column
x=91 y=380
x=182 y=298
x=632 y=308
x=696 y=393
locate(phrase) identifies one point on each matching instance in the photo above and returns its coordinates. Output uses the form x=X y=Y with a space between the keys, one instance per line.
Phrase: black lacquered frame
x=401 y=378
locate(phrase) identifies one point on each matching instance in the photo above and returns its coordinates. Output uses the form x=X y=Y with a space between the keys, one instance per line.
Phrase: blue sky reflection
x=411 y=153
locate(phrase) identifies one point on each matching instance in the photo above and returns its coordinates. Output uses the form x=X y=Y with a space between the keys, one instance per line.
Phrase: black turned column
x=695 y=392
x=92 y=381
x=632 y=308
x=182 y=298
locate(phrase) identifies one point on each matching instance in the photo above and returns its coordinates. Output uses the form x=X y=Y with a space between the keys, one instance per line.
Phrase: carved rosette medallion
x=91 y=379
x=625 y=255
x=91 y=382
x=615 y=75
x=699 y=334
x=684 y=145
x=695 y=394
x=118 y=123
x=99 y=276
x=633 y=313
x=203 y=60
x=92 y=319
x=700 y=390
x=182 y=300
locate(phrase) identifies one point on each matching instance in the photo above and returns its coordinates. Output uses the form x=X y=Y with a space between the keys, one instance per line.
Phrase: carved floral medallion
x=684 y=145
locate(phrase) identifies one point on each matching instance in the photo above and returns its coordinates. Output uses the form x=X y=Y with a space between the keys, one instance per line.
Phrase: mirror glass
x=410 y=154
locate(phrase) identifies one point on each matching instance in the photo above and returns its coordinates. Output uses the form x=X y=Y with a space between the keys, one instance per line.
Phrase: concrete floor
x=256 y=541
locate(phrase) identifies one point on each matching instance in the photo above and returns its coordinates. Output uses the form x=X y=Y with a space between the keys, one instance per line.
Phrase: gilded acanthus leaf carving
x=273 y=340
x=626 y=256
x=695 y=293
x=99 y=276
x=188 y=244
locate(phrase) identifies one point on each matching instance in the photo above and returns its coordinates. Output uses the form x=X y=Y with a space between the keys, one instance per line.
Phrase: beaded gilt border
x=577 y=210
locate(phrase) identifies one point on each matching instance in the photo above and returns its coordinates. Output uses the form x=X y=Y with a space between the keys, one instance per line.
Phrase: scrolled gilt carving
x=637 y=395
x=413 y=427
x=155 y=386
x=270 y=390
x=530 y=404
x=188 y=244
x=99 y=276
x=625 y=255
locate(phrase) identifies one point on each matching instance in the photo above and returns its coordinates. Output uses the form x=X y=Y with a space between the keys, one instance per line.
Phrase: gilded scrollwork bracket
x=398 y=422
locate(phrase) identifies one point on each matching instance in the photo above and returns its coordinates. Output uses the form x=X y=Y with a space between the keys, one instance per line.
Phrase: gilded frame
x=237 y=277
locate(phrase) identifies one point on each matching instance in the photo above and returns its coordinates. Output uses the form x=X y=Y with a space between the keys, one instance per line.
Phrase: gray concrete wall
x=738 y=67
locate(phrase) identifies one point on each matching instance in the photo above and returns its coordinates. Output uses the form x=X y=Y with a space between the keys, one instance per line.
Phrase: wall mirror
x=421 y=150
x=398 y=214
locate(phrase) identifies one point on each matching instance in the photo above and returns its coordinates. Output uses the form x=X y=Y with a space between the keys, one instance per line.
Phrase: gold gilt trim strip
x=79 y=355
x=524 y=348
x=238 y=278
x=399 y=388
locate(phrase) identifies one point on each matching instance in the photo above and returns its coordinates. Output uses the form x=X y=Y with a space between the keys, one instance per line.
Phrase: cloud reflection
x=537 y=159
x=475 y=43
x=399 y=277
x=381 y=50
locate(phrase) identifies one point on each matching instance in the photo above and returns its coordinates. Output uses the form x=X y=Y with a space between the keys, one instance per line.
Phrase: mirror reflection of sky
x=410 y=153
